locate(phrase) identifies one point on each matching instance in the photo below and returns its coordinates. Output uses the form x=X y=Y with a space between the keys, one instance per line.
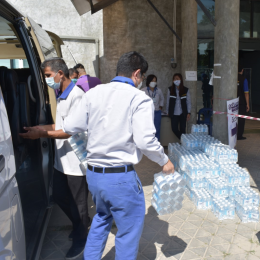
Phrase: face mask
x=140 y=85
x=177 y=82
x=74 y=80
x=153 y=84
x=51 y=83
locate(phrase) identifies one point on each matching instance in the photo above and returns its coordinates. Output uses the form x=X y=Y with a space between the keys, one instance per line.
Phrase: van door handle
x=2 y=162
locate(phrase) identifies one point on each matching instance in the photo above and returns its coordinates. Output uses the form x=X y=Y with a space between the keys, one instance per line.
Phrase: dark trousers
x=206 y=101
x=157 y=123
x=71 y=194
x=176 y=121
x=241 y=121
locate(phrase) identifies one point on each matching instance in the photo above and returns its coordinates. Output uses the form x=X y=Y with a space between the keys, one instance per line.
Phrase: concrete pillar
x=226 y=54
x=189 y=51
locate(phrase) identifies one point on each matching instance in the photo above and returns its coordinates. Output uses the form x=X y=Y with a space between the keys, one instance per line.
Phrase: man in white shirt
x=119 y=121
x=70 y=189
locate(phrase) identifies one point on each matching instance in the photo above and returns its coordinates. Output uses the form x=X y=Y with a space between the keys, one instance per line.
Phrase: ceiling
x=84 y=6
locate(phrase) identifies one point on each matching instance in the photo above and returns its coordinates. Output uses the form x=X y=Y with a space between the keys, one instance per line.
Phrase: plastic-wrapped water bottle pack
x=201 y=199
x=218 y=188
x=246 y=196
x=78 y=143
x=223 y=208
x=199 y=129
x=247 y=214
x=167 y=195
x=210 y=167
x=221 y=153
x=203 y=169
x=195 y=182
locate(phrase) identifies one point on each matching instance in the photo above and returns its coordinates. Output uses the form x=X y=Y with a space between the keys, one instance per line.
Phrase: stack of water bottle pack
x=214 y=179
x=168 y=191
x=78 y=143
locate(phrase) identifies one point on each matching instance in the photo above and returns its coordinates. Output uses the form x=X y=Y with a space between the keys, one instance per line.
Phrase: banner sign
x=232 y=108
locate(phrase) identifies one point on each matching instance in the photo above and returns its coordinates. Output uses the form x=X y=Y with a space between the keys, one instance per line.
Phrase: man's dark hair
x=79 y=66
x=149 y=79
x=72 y=71
x=130 y=62
x=56 y=64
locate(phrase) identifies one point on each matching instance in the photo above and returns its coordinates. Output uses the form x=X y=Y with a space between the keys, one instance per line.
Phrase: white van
x=26 y=166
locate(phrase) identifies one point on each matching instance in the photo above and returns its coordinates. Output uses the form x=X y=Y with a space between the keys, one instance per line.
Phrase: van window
x=44 y=40
x=14 y=63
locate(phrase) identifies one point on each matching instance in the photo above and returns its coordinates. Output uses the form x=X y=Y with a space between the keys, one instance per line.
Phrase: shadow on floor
x=170 y=245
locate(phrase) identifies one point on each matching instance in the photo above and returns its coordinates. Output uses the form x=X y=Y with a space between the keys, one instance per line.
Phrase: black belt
x=111 y=169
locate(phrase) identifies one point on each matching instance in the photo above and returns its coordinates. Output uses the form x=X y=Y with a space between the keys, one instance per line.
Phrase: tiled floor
x=186 y=234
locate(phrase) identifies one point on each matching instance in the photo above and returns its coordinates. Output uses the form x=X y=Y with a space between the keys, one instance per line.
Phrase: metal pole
x=71 y=54
x=206 y=12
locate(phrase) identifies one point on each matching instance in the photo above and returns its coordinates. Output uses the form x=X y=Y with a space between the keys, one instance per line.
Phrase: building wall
x=134 y=25
x=61 y=18
x=124 y=26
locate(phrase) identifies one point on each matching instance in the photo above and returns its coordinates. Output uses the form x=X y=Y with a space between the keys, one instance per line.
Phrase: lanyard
x=123 y=80
x=153 y=94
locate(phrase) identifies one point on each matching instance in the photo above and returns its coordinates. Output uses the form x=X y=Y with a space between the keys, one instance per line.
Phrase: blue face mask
x=74 y=80
x=51 y=83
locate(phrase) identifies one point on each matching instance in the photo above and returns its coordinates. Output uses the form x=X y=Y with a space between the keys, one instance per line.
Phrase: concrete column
x=226 y=54
x=189 y=51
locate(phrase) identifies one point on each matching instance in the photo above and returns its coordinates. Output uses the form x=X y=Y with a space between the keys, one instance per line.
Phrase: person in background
x=207 y=91
x=178 y=105
x=158 y=100
x=70 y=189
x=85 y=81
x=243 y=94
x=73 y=75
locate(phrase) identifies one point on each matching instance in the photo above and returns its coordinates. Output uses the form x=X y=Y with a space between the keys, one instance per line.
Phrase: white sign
x=232 y=108
x=191 y=75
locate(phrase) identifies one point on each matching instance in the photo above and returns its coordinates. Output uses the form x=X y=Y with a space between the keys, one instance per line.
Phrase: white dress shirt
x=66 y=160
x=119 y=119
x=156 y=96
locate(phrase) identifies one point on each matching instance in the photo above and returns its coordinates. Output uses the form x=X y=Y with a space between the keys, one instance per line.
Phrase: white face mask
x=177 y=82
x=51 y=83
x=140 y=85
x=153 y=84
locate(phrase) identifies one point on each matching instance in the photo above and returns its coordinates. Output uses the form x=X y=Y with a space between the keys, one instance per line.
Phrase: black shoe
x=76 y=250
x=241 y=138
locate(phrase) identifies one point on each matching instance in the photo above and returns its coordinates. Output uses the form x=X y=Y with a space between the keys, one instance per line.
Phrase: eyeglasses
x=143 y=77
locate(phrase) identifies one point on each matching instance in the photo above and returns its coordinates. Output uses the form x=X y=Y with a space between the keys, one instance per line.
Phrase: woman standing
x=158 y=100
x=178 y=105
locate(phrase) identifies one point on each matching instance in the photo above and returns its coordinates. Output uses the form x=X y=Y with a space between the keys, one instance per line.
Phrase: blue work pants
x=117 y=196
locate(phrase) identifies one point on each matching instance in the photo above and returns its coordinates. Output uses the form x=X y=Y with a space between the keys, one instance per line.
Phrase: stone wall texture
x=124 y=26
x=61 y=18
x=135 y=26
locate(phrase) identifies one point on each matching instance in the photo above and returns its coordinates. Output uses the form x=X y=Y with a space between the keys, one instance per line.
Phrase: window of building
x=245 y=19
x=249 y=19
x=206 y=31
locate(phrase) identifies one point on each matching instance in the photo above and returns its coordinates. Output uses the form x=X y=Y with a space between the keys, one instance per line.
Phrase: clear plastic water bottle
x=162 y=183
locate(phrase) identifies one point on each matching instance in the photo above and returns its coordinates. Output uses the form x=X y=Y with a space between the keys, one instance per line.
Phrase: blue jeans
x=157 y=123
x=117 y=196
